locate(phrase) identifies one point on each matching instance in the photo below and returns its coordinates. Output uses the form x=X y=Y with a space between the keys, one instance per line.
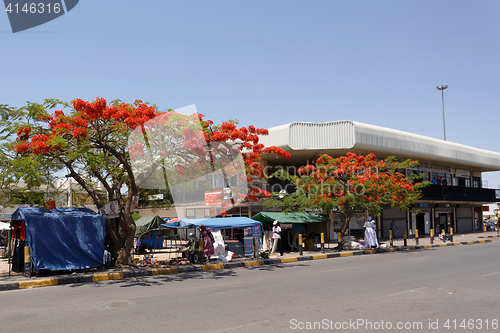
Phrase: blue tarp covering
x=213 y=223
x=63 y=238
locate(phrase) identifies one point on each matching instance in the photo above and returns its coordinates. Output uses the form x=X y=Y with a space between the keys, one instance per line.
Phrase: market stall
x=252 y=229
x=58 y=239
x=147 y=231
x=311 y=225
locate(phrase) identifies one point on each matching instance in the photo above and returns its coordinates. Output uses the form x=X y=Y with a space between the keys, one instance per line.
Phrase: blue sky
x=268 y=63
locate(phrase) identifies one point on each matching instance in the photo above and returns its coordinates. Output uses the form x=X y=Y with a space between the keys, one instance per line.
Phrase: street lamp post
x=442 y=88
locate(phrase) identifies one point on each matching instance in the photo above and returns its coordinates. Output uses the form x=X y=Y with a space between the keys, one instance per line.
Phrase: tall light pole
x=442 y=88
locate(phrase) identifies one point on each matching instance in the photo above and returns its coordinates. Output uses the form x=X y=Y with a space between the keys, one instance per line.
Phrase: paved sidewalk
x=14 y=281
x=456 y=238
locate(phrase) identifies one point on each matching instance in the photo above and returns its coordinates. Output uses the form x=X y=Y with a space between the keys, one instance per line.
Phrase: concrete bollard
x=416 y=236
x=322 y=243
x=300 y=244
x=404 y=238
x=432 y=236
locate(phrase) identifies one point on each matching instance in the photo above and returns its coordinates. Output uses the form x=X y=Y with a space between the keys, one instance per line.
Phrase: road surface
x=432 y=290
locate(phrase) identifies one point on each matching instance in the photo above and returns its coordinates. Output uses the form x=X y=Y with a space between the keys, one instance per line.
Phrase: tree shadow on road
x=277 y=266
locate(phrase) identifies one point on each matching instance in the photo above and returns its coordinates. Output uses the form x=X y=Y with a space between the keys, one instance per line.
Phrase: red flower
x=49 y=204
x=22 y=147
x=23 y=133
x=79 y=133
x=180 y=169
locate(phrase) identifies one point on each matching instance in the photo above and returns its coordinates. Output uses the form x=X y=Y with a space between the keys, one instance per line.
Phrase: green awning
x=270 y=217
x=148 y=223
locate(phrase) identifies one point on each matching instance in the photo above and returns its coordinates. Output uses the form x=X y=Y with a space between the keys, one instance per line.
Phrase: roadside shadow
x=158 y=280
x=274 y=267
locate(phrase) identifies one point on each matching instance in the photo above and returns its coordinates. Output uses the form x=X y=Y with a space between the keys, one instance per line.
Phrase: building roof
x=306 y=141
x=270 y=217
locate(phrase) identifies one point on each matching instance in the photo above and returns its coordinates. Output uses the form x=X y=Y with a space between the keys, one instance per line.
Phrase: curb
x=132 y=273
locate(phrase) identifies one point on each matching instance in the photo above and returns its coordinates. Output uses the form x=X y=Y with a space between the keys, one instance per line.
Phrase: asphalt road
x=418 y=291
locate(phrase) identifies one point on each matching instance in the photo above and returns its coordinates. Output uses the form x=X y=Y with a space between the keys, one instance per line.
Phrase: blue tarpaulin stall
x=150 y=225
x=212 y=223
x=62 y=238
x=252 y=228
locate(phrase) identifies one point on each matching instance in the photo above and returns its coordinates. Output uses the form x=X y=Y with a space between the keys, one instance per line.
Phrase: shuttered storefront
x=464 y=220
x=387 y=217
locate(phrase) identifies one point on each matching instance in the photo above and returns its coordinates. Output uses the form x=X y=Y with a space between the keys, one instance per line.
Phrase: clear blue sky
x=268 y=63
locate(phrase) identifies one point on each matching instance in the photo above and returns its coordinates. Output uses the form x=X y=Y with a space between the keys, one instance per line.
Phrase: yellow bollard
x=451 y=234
x=390 y=237
x=27 y=261
x=432 y=236
x=416 y=236
x=200 y=249
x=322 y=242
x=404 y=238
x=300 y=244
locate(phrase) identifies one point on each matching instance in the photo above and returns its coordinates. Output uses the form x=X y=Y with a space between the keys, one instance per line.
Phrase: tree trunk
x=128 y=225
x=113 y=238
x=121 y=232
x=123 y=253
x=346 y=218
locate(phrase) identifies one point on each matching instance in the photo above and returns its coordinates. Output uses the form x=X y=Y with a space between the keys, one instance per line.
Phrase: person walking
x=297 y=229
x=394 y=229
x=277 y=244
x=370 y=231
x=208 y=242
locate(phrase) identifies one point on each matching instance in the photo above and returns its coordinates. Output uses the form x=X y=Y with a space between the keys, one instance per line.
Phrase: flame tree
x=90 y=143
x=21 y=177
x=349 y=183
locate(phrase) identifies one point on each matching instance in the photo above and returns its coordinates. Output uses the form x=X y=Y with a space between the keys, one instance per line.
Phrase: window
x=443 y=178
x=464 y=182
x=190 y=213
x=424 y=176
x=476 y=182
x=209 y=212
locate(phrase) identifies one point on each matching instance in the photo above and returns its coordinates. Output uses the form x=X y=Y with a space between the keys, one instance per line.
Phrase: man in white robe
x=370 y=233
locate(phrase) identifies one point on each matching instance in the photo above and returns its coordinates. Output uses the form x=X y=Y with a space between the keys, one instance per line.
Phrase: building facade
x=454 y=201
